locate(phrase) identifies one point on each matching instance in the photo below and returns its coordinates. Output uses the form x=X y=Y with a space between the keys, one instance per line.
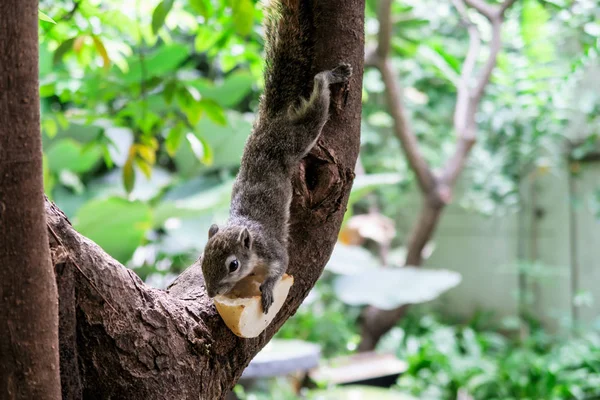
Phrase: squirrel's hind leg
x=315 y=110
x=309 y=118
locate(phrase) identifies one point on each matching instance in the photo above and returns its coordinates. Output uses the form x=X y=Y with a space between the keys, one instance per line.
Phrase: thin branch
x=467 y=100
x=456 y=162
x=490 y=63
x=403 y=129
x=384 y=37
x=495 y=45
x=371 y=58
x=492 y=13
x=505 y=6
x=393 y=91
x=488 y=11
x=463 y=98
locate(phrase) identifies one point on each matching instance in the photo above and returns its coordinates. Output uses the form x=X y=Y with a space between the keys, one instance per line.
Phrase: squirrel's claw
x=341 y=73
x=266 y=299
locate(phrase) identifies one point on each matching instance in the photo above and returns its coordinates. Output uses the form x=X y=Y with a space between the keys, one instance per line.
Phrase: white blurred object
x=373 y=226
x=389 y=288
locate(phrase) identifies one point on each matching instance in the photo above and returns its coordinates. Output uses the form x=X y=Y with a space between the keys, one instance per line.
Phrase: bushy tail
x=289 y=47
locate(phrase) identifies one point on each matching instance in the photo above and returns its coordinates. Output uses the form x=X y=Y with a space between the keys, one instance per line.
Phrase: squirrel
x=254 y=239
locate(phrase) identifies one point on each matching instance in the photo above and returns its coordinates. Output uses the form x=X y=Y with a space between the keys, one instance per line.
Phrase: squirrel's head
x=227 y=258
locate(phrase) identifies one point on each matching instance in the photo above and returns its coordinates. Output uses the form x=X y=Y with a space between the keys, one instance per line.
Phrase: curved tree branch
x=393 y=93
x=468 y=99
x=486 y=73
x=123 y=339
x=463 y=90
x=483 y=8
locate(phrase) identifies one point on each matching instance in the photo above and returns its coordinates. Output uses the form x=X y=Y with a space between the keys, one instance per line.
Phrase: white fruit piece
x=241 y=309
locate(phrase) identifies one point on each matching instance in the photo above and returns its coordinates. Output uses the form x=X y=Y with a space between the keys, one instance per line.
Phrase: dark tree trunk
x=28 y=297
x=121 y=339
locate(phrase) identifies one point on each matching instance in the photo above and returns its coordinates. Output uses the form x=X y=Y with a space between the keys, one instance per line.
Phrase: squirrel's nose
x=210 y=293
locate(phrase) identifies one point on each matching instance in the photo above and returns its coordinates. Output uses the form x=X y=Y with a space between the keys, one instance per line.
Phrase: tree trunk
x=376 y=322
x=121 y=339
x=28 y=297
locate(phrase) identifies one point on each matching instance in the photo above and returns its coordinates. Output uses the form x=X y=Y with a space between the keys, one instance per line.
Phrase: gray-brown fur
x=288 y=25
x=285 y=131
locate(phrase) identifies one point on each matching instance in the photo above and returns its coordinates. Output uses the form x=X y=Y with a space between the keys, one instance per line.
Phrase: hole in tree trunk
x=312 y=172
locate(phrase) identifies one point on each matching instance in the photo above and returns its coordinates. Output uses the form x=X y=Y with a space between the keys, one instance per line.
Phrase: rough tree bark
x=435 y=188
x=28 y=297
x=123 y=340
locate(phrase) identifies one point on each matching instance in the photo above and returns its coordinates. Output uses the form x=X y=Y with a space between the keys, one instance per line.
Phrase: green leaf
x=72 y=181
x=117 y=225
x=62 y=120
x=144 y=166
x=169 y=91
x=452 y=61
x=107 y=157
x=101 y=51
x=44 y=17
x=67 y=154
x=214 y=111
x=147 y=153
x=225 y=142
x=48 y=177
x=243 y=16
x=200 y=148
x=45 y=64
x=163 y=61
x=230 y=92
x=63 y=49
x=440 y=61
x=128 y=175
x=202 y=7
x=208 y=153
x=205 y=39
x=193 y=112
x=404 y=48
x=50 y=127
x=196 y=205
x=160 y=14
x=174 y=138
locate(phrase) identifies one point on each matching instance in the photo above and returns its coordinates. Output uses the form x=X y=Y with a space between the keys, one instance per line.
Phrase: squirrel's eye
x=233 y=265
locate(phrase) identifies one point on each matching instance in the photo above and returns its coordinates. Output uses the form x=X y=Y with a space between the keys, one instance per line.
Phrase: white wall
x=485 y=250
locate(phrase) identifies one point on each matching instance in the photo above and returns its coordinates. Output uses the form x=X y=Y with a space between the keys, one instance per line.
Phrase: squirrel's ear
x=245 y=238
x=214 y=228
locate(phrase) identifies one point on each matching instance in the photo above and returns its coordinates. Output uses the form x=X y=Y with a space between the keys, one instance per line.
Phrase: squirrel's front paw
x=341 y=73
x=266 y=298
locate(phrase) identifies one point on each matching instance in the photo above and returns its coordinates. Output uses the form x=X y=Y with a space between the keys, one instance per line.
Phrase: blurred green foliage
x=477 y=360
x=145 y=110
x=325 y=320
